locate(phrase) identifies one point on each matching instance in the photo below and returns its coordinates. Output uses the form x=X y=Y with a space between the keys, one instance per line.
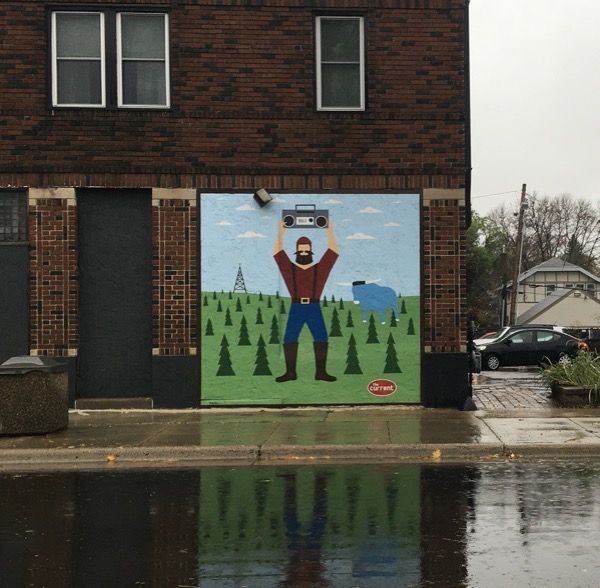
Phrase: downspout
x=468 y=163
x=474 y=360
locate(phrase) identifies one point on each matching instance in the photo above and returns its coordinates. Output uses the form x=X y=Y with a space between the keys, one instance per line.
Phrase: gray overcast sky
x=535 y=98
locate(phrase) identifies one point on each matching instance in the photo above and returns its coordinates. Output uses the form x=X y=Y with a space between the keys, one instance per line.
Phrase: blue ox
x=374 y=298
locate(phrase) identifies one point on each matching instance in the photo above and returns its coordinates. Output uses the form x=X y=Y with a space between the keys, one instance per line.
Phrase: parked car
x=497 y=335
x=528 y=346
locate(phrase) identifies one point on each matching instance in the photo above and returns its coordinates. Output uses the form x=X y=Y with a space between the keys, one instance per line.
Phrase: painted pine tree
x=209 y=328
x=391 y=358
x=229 y=295
x=259 y=318
x=228 y=321
x=244 y=338
x=282 y=307
x=238 y=305
x=341 y=304
x=352 y=363
x=247 y=298
x=411 y=327
x=335 y=330
x=219 y=307
x=225 y=367
x=277 y=295
x=349 y=319
x=403 y=307
x=372 y=334
x=332 y=299
x=205 y=301
x=260 y=297
x=261 y=362
x=393 y=320
x=215 y=295
x=274 y=338
x=269 y=303
x=325 y=303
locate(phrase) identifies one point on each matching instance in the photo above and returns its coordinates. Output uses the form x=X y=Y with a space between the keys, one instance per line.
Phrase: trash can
x=33 y=396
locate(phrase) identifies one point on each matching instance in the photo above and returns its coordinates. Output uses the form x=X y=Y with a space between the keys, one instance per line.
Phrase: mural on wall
x=313 y=299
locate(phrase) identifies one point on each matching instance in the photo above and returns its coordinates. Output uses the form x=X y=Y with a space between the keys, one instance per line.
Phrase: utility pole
x=517 y=260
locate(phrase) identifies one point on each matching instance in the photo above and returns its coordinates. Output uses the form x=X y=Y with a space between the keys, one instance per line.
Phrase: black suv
x=528 y=346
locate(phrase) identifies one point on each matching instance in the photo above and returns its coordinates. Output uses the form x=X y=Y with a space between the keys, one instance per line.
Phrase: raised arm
x=331 y=242
x=279 y=239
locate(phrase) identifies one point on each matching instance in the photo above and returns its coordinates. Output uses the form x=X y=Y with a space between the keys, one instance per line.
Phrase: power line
x=496 y=194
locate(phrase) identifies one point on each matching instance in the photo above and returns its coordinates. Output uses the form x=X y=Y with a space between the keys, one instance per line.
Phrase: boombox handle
x=311 y=207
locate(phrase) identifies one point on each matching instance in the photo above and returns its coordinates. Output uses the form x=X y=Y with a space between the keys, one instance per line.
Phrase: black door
x=14 y=274
x=115 y=301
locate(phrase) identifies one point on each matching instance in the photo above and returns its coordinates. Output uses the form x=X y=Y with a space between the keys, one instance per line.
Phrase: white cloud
x=345 y=220
x=223 y=223
x=343 y=283
x=279 y=199
x=391 y=225
x=332 y=201
x=251 y=235
x=245 y=207
x=359 y=236
x=370 y=210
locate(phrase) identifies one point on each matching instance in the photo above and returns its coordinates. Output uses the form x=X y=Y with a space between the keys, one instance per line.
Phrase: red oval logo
x=382 y=387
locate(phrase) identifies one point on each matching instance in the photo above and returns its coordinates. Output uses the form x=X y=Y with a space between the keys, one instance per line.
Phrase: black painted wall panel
x=115 y=265
x=445 y=380
x=14 y=312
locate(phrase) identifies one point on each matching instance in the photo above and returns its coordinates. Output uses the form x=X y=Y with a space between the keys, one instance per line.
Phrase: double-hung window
x=78 y=59
x=340 y=62
x=110 y=59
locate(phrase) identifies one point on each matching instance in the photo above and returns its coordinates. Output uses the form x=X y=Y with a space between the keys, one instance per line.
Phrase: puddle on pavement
x=347 y=526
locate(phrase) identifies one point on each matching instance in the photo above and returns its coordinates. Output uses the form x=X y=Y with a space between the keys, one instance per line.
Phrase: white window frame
x=120 y=103
x=55 y=102
x=319 y=64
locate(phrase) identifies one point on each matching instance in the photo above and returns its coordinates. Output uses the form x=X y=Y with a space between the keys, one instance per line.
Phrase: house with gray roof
x=557 y=292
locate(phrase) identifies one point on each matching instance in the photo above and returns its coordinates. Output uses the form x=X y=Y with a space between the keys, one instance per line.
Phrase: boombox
x=305 y=216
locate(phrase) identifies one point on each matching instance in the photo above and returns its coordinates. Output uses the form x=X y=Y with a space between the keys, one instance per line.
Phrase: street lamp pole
x=517 y=259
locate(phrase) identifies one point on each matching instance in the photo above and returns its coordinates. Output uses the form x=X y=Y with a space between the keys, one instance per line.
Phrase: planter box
x=573 y=395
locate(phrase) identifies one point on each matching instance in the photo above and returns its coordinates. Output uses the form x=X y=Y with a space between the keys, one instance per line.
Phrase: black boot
x=321 y=362
x=290 y=352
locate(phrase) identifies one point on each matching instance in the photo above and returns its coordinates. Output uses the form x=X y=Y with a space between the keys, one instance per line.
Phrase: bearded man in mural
x=305 y=282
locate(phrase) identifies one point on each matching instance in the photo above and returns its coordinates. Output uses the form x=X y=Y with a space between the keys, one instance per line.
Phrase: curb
x=123 y=458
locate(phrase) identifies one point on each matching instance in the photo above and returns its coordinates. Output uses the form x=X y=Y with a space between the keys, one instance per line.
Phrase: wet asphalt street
x=481 y=525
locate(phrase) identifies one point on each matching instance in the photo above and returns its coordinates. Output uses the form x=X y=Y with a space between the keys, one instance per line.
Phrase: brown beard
x=305 y=259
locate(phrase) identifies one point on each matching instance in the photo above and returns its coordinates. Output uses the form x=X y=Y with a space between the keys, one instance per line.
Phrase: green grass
x=244 y=388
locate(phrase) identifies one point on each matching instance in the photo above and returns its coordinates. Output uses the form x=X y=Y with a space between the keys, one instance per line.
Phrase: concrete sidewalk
x=116 y=439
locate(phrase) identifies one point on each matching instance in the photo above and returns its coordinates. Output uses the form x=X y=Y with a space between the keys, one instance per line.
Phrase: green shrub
x=583 y=371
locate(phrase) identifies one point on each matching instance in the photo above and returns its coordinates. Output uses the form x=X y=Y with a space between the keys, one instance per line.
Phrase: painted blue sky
x=378 y=238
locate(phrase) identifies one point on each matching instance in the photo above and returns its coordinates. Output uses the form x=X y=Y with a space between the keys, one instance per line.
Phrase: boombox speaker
x=305 y=216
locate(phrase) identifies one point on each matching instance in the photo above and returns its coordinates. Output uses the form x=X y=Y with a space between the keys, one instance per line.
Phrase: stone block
x=33 y=396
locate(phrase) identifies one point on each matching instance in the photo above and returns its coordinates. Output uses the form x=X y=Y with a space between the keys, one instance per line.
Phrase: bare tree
x=559 y=226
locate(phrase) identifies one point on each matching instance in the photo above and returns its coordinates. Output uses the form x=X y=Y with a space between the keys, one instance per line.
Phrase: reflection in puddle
x=346 y=526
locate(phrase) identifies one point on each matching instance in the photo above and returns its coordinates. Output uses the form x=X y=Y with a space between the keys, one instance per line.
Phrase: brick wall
x=444 y=284
x=243 y=98
x=53 y=290
x=174 y=238
x=243 y=116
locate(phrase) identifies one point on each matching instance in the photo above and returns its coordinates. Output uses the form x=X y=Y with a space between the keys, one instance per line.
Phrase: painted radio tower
x=240 y=285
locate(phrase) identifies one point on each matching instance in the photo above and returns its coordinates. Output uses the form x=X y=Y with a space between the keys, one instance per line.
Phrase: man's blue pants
x=305 y=314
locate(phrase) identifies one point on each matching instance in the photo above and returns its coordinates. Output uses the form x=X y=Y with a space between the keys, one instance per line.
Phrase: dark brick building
x=115 y=116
